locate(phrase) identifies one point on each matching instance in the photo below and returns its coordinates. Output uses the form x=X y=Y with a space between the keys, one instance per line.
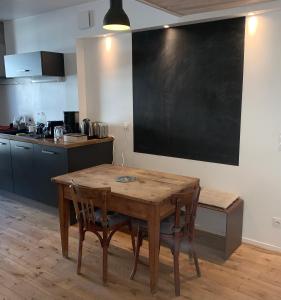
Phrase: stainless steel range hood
x=39 y=66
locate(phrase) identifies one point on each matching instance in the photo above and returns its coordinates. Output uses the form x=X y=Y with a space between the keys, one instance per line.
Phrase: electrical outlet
x=276 y=222
x=126 y=126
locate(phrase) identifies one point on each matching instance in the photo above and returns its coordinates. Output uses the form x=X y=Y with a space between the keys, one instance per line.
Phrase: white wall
x=108 y=94
x=57 y=31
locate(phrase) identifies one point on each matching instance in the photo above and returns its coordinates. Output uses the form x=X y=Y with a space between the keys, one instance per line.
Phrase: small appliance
x=40 y=128
x=86 y=127
x=58 y=133
x=32 y=128
x=50 y=128
x=71 y=121
x=100 y=130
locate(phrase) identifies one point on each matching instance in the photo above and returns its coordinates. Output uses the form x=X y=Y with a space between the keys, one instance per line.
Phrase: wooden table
x=148 y=198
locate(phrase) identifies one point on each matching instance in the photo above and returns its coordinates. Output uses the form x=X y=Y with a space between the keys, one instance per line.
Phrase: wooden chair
x=174 y=230
x=92 y=215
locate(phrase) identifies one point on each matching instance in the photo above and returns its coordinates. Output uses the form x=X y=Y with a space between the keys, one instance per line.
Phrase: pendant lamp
x=116 y=18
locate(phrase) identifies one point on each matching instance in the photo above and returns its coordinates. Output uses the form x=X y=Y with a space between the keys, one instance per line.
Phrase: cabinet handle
x=24 y=71
x=3 y=144
x=48 y=152
x=22 y=147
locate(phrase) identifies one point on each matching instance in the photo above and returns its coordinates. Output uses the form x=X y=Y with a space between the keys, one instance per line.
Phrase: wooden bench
x=219 y=222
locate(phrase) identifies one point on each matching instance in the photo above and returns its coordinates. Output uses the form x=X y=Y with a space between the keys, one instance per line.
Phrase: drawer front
x=53 y=159
x=49 y=162
x=6 y=174
x=23 y=168
x=5 y=155
x=23 y=65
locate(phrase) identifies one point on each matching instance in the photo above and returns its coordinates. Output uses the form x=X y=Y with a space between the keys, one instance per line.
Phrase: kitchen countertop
x=52 y=143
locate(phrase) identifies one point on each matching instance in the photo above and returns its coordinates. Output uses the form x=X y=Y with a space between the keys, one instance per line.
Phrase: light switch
x=276 y=222
x=85 y=19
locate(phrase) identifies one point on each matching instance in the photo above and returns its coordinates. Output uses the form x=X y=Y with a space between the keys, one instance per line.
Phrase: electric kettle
x=86 y=127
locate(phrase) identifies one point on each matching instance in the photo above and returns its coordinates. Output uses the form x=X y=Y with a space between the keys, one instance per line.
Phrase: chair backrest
x=86 y=200
x=188 y=200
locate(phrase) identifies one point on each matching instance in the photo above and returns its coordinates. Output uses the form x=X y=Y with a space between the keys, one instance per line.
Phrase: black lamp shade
x=116 y=18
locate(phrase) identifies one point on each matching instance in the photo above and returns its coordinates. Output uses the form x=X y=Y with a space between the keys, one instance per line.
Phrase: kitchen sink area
x=11 y=130
x=24 y=134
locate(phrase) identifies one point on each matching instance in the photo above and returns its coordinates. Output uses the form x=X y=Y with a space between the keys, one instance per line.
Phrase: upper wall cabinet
x=34 y=64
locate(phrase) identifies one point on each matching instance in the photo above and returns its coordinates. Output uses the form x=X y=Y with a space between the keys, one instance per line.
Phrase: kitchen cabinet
x=26 y=167
x=48 y=162
x=34 y=64
x=53 y=161
x=23 y=168
x=6 y=175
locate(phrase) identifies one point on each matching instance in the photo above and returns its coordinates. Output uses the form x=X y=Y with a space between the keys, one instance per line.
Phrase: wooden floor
x=31 y=266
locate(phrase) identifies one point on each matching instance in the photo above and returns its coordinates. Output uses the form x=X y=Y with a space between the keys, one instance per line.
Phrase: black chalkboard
x=187 y=86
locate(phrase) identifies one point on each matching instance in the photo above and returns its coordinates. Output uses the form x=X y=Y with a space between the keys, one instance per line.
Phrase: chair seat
x=166 y=226
x=113 y=218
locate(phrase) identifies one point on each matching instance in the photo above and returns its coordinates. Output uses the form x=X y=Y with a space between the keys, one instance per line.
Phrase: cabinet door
x=23 y=65
x=49 y=162
x=6 y=178
x=23 y=168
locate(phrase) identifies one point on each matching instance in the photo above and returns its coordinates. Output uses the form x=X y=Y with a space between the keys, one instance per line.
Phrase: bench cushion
x=217 y=198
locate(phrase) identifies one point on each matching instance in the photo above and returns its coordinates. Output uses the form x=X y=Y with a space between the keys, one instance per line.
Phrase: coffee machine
x=87 y=128
x=71 y=121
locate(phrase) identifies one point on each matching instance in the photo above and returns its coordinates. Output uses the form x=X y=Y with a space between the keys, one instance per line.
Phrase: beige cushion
x=217 y=198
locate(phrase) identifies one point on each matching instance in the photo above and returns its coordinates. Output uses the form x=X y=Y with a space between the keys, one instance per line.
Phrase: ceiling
x=14 y=9
x=186 y=7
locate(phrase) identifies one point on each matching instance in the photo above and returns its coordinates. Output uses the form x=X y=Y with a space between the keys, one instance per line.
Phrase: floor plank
x=31 y=265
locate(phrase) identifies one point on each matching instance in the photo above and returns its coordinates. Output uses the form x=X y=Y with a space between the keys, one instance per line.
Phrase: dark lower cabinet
x=48 y=162
x=6 y=175
x=23 y=169
x=26 y=169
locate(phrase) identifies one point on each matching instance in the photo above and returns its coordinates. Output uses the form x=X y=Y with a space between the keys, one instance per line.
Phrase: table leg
x=64 y=221
x=153 y=239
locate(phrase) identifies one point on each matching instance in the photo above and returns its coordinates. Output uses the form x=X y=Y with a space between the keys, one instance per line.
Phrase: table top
x=150 y=186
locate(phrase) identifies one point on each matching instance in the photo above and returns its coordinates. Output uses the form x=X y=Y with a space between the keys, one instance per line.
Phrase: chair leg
x=104 y=260
x=196 y=263
x=80 y=249
x=176 y=254
x=106 y=241
x=132 y=238
x=190 y=256
x=137 y=253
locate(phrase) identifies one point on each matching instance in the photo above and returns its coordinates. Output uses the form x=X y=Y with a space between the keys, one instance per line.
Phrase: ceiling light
x=116 y=18
x=251 y=14
x=252 y=24
x=166 y=26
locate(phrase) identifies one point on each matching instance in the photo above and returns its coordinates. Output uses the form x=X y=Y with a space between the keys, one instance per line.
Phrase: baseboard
x=261 y=244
